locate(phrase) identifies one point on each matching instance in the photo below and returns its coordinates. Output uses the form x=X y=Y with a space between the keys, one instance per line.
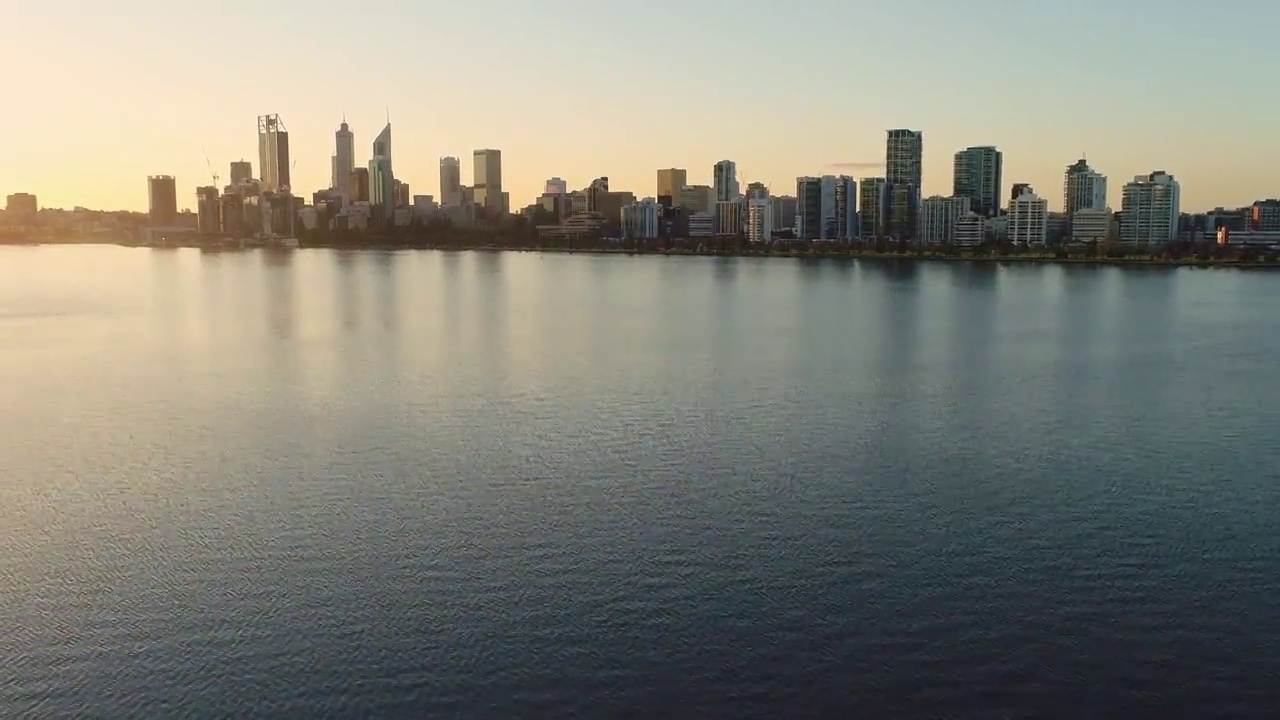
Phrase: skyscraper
x=1083 y=189
x=904 y=150
x=241 y=171
x=725 y=180
x=873 y=203
x=344 y=159
x=825 y=207
x=670 y=182
x=556 y=186
x=1149 y=209
x=208 y=210
x=162 y=192
x=977 y=176
x=846 y=208
x=382 y=188
x=487 y=179
x=450 y=182
x=273 y=153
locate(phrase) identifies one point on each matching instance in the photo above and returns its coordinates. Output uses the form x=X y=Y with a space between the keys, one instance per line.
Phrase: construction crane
x=212 y=172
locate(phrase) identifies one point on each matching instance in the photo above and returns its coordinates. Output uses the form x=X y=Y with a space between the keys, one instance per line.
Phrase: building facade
x=640 y=220
x=241 y=172
x=873 y=205
x=162 y=195
x=208 y=210
x=1082 y=189
x=450 y=182
x=344 y=159
x=1028 y=219
x=670 y=182
x=725 y=180
x=977 y=176
x=487 y=180
x=729 y=218
x=1090 y=225
x=273 y=153
x=1149 y=209
x=21 y=209
x=939 y=217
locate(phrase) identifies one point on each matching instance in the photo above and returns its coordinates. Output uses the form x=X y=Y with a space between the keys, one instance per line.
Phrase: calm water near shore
x=427 y=484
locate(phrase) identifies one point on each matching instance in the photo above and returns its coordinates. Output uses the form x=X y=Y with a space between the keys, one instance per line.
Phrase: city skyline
x=1041 y=113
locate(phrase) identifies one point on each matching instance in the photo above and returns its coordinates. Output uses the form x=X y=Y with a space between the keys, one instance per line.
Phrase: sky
x=101 y=95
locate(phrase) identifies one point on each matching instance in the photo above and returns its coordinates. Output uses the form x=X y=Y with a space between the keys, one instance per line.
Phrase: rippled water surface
x=326 y=484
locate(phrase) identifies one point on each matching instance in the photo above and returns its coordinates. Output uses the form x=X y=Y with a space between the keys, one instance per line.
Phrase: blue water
x=328 y=484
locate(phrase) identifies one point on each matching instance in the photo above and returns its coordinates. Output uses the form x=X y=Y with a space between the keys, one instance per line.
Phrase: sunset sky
x=100 y=95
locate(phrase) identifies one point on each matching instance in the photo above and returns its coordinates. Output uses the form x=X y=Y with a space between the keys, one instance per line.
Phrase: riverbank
x=843 y=253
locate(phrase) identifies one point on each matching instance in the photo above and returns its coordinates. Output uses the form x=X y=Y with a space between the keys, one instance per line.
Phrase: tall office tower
x=598 y=188
x=904 y=150
x=873 y=204
x=358 y=185
x=784 y=212
x=344 y=159
x=725 y=180
x=670 y=182
x=817 y=208
x=1028 y=219
x=759 y=219
x=208 y=205
x=728 y=218
x=241 y=171
x=556 y=186
x=450 y=182
x=698 y=198
x=939 y=217
x=1083 y=189
x=273 y=153
x=756 y=190
x=382 y=182
x=846 y=208
x=488 y=179
x=162 y=192
x=977 y=176
x=1149 y=209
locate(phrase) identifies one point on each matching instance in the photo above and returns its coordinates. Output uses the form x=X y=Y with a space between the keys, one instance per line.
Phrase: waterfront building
x=725 y=180
x=487 y=180
x=902 y=218
x=826 y=208
x=1018 y=189
x=640 y=220
x=241 y=172
x=1149 y=209
x=810 y=223
x=1091 y=225
x=382 y=188
x=208 y=210
x=873 y=205
x=162 y=195
x=273 y=153
x=450 y=182
x=845 y=211
x=904 y=151
x=760 y=219
x=701 y=225
x=401 y=193
x=231 y=215
x=977 y=176
x=970 y=230
x=698 y=198
x=1083 y=189
x=728 y=217
x=939 y=217
x=358 y=185
x=670 y=182
x=21 y=209
x=344 y=159
x=784 y=212
x=1028 y=219
x=1264 y=216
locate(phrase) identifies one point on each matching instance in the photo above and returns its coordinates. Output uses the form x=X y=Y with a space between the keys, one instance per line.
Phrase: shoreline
x=832 y=254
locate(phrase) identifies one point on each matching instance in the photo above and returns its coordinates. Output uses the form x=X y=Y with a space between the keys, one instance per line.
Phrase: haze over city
x=108 y=98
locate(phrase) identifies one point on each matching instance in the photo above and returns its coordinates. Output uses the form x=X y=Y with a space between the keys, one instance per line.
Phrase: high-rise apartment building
x=488 y=179
x=760 y=219
x=1149 y=209
x=1018 y=190
x=344 y=159
x=1028 y=219
x=784 y=212
x=825 y=207
x=904 y=152
x=241 y=172
x=939 y=218
x=273 y=153
x=450 y=182
x=977 y=176
x=873 y=203
x=162 y=192
x=208 y=210
x=846 y=207
x=725 y=180
x=382 y=186
x=1083 y=189
x=670 y=182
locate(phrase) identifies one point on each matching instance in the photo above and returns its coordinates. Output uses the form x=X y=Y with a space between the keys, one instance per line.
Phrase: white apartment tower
x=760 y=219
x=1028 y=219
x=1149 y=209
x=939 y=216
